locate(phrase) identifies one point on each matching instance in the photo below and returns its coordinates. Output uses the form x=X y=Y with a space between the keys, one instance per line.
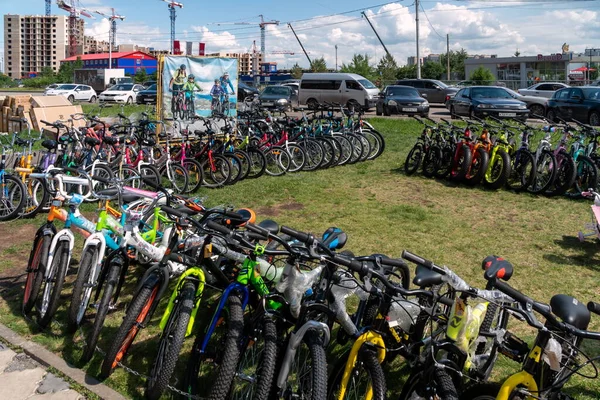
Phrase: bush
x=482 y=76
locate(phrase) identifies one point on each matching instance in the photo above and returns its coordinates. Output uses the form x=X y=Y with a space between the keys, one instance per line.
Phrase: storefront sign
x=554 y=57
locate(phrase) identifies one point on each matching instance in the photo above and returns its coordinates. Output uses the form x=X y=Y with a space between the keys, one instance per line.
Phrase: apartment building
x=93 y=46
x=33 y=42
x=244 y=61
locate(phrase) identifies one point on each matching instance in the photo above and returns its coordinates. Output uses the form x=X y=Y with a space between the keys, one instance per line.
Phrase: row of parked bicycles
x=266 y=305
x=211 y=152
x=489 y=152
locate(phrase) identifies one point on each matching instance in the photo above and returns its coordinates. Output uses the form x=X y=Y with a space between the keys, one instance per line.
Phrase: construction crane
x=172 y=16
x=262 y=25
x=75 y=11
x=48 y=7
x=112 y=33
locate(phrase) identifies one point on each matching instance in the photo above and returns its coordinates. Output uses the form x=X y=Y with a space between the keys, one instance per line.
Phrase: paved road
x=18 y=93
x=22 y=378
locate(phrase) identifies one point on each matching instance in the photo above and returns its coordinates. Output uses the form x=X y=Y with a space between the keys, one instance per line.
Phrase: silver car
x=435 y=91
x=544 y=89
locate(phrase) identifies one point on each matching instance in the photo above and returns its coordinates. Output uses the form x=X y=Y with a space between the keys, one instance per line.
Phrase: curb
x=49 y=359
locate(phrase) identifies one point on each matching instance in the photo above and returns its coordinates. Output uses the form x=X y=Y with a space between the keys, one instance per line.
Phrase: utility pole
x=448 y=55
x=418 y=53
x=376 y=34
x=305 y=53
x=336 y=58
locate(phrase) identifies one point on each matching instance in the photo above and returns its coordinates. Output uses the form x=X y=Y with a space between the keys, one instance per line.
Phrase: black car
x=147 y=96
x=401 y=100
x=245 y=91
x=435 y=90
x=580 y=103
x=481 y=101
x=276 y=97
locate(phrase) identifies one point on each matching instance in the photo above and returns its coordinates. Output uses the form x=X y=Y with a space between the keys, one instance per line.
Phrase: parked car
x=295 y=86
x=353 y=90
x=436 y=91
x=481 y=101
x=401 y=100
x=245 y=91
x=595 y=83
x=276 y=97
x=580 y=103
x=536 y=104
x=122 y=93
x=544 y=89
x=147 y=84
x=73 y=92
x=53 y=86
x=147 y=96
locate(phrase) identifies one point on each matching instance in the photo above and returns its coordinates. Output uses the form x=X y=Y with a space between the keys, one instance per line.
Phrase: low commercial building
x=131 y=62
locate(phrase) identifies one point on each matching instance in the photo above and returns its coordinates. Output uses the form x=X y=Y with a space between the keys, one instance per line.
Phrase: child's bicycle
x=593 y=228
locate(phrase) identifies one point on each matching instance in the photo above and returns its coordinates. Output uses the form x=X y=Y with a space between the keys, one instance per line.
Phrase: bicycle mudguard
x=155 y=275
x=48 y=229
x=104 y=272
x=226 y=293
x=368 y=337
x=521 y=378
x=198 y=274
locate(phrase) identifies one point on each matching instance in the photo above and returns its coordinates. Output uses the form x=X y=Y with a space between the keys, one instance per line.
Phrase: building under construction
x=34 y=42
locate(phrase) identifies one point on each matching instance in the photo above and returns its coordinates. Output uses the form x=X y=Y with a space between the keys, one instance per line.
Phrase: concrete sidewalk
x=22 y=378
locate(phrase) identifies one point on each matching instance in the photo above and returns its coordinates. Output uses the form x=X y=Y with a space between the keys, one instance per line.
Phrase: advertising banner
x=198 y=86
x=201 y=49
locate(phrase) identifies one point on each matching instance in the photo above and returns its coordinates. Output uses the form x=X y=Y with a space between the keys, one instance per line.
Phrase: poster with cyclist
x=188 y=87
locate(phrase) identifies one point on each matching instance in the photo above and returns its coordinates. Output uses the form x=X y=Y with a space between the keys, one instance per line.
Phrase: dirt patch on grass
x=14 y=250
x=277 y=209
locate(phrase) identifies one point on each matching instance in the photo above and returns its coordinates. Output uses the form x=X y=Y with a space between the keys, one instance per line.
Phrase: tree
x=432 y=70
x=47 y=72
x=387 y=69
x=297 y=71
x=407 y=72
x=359 y=65
x=318 y=65
x=457 y=62
x=482 y=76
x=140 y=76
x=517 y=52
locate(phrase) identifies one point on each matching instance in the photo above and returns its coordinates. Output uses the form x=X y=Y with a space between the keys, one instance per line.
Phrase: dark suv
x=434 y=91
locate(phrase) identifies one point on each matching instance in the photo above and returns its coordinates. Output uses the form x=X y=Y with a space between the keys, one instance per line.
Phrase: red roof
x=115 y=55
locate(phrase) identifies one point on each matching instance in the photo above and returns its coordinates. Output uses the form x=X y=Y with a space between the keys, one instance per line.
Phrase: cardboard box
x=52 y=114
x=49 y=101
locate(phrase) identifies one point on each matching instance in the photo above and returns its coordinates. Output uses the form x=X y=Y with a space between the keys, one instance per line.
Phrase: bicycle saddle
x=334 y=238
x=90 y=141
x=424 y=277
x=111 y=140
x=571 y=311
x=147 y=142
x=49 y=144
x=245 y=215
x=270 y=226
x=21 y=142
x=496 y=267
x=111 y=192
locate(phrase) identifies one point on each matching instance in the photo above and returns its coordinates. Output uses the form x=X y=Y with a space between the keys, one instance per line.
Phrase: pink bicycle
x=594 y=226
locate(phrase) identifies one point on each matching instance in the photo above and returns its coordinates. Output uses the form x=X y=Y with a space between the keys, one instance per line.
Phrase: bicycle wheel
x=91 y=340
x=565 y=174
x=37 y=197
x=337 y=151
x=366 y=374
x=258 y=163
x=53 y=283
x=245 y=161
x=347 y=149
x=418 y=386
x=194 y=173
x=99 y=170
x=413 y=159
x=314 y=154
x=431 y=161
x=13 y=196
x=217 y=173
x=171 y=341
x=278 y=161
x=587 y=174
x=237 y=169
x=297 y=157
x=83 y=287
x=129 y=175
x=136 y=314
x=481 y=391
x=461 y=165
x=328 y=152
x=522 y=171
x=149 y=172
x=357 y=148
x=211 y=373
x=545 y=172
x=36 y=267
x=377 y=143
x=174 y=176
x=256 y=369
x=479 y=165
x=308 y=374
x=444 y=166
x=366 y=150
x=497 y=175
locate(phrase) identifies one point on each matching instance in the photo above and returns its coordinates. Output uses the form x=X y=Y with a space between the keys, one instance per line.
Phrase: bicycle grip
x=100 y=179
x=594 y=307
x=173 y=211
x=258 y=230
x=45 y=122
x=218 y=227
x=407 y=255
x=150 y=182
x=356 y=266
x=301 y=236
x=233 y=214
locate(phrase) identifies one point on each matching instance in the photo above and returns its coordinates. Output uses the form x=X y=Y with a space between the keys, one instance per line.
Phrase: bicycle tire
x=381 y=144
x=565 y=174
x=316 y=387
x=278 y=161
x=178 y=179
x=244 y=158
x=220 y=175
x=413 y=159
x=481 y=391
x=328 y=152
x=237 y=168
x=54 y=284
x=522 y=172
x=37 y=197
x=297 y=157
x=586 y=174
x=347 y=149
x=460 y=168
x=545 y=172
x=258 y=163
x=445 y=385
x=110 y=285
x=171 y=341
x=366 y=146
x=82 y=287
x=431 y=160
x=35 y=271
x=314 y=154
x=258 y=387
x=367 y=363
x=358 y=148
x=13 y=196
x=136 y=313
x=195 y=175
x=480 y=162
x=442 y=384
x=444 y=167
x=498 y=179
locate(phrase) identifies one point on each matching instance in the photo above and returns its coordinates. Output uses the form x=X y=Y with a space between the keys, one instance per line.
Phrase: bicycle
x=13 y=194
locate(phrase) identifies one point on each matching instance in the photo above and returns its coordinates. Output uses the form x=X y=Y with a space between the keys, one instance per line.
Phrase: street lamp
x=336 y=58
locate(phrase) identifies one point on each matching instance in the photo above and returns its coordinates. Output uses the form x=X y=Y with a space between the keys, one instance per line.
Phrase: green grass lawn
x=383 y=211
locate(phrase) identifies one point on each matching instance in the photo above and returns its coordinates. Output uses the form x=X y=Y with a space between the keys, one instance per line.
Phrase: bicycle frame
x=501 y=144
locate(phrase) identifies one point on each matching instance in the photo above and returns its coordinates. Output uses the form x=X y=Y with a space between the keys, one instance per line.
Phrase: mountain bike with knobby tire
x=418 y=152
x=586 y=170
x=523 y=166
x=480 y=153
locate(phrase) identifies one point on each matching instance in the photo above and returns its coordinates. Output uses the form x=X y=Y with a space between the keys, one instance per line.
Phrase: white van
x=349 y=89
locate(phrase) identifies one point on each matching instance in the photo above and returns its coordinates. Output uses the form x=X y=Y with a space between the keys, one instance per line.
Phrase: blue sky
x=480 y=26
